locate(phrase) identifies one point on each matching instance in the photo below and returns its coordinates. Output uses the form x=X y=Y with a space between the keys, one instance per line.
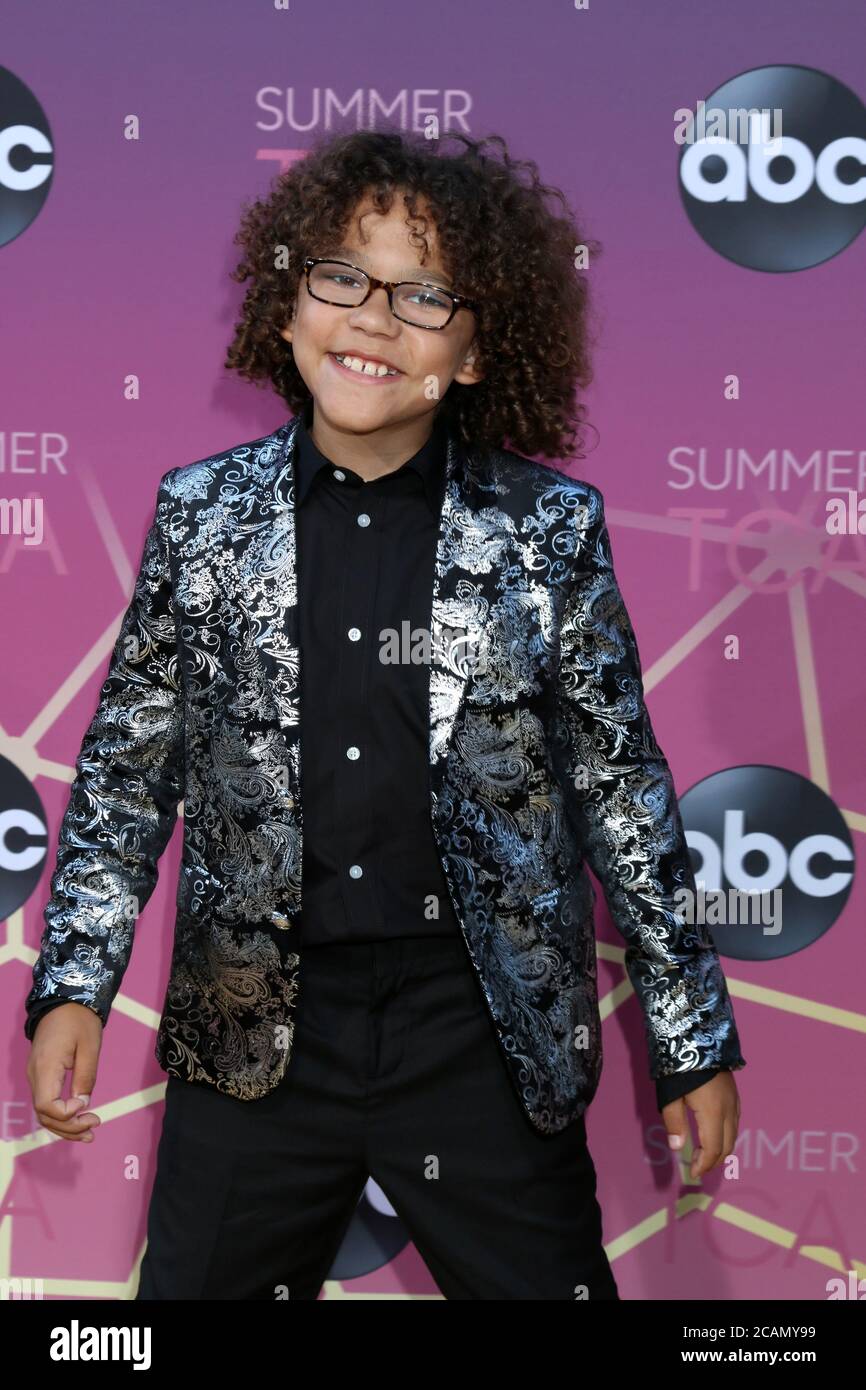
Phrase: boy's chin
x=349 y=409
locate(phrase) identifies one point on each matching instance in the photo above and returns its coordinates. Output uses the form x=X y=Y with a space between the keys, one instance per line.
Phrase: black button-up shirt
x=366 y=554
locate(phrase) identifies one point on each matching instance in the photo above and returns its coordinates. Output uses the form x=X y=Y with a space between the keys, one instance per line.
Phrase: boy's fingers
x=710 y=1148
x=84 y=1071
x=53 y=1114
x=717 y=1135
x=47 y=1073
x=83 y=1077
x=714 y=1132
x=676 y=1121
x=47 y=1083
x=732 y=1126
x=64 y=1117
x=78 y=1128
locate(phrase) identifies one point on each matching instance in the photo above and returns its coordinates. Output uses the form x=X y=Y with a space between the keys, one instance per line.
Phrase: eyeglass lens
x=420 y=304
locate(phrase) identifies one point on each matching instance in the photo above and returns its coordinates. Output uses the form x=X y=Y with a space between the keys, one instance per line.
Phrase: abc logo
x=23 y=838
x=26 y=157
x=790 y=203
x=761 y=829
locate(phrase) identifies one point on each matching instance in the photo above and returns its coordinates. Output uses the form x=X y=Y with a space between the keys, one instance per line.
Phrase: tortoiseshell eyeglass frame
x=458 y=301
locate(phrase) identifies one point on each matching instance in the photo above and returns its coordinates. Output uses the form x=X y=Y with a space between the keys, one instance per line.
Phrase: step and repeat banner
x=718 y=156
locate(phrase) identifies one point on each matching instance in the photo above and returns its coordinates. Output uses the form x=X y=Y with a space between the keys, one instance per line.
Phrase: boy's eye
x=426 y=298
x=344 y=278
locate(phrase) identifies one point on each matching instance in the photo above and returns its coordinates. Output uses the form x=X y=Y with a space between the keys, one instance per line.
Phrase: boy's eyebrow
x=412 y=273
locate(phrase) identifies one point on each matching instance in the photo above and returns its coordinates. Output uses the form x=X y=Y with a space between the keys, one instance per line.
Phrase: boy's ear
x=470 y=369
x=288 y=331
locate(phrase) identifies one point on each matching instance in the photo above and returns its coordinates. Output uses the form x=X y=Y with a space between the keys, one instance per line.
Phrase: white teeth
x=359 y=364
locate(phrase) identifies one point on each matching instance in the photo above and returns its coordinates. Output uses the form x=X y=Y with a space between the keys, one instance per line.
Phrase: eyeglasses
x=412 y=301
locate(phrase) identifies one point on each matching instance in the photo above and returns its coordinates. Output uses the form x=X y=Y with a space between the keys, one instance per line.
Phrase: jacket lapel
x=260 y=544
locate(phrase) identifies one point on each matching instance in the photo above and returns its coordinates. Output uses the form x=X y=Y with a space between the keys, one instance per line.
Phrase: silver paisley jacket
x=542 y=761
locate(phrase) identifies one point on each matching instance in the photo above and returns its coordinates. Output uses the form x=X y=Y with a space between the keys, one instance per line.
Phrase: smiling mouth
x=365 y=367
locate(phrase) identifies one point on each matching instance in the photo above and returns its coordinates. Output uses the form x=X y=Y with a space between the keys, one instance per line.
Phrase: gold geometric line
x=615 y=997
x=723 y=533
x=756 y=1225
x=7 y=1171
x=93 y=660
x=136 y=1010
x=795 y=1004
x=756 y=994
x=107 y=529
x=636 y=1235
x=112 y=1110
x=856 y=820
x=808 y=685
x=723 y=1210
x=82 y=1288
x=685 y=645
x=615 y=1249
x=780 y=1235
x=691 y=1201
x=720 y=531
x=47 y=767
x=826 y=1255
x=31 y=763
x=851 y=579
x=14 y=933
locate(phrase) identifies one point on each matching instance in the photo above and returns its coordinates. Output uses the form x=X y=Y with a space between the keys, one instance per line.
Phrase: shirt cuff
x=670 y=1088
x=43 y=1006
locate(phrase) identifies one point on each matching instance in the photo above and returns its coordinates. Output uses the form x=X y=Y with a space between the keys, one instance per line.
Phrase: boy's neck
x=372 y=454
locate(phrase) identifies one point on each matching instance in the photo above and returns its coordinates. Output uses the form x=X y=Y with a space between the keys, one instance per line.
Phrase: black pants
x=396 y=1073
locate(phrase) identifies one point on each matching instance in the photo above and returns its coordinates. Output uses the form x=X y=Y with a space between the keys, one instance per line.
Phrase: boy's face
x=346 y=400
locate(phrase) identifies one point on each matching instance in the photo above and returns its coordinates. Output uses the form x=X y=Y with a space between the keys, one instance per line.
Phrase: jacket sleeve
x=123 y=802
x=621 y=794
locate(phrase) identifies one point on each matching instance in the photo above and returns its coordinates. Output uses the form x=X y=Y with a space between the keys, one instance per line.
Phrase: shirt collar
x=428 y=463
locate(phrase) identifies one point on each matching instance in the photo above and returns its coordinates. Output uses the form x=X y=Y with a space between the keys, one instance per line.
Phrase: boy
x=383 y=659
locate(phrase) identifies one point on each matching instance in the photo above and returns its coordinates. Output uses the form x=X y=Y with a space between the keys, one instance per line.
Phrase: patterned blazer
x=542 y=761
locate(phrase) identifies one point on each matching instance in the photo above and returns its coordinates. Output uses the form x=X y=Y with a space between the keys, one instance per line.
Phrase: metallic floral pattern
x=542 y=760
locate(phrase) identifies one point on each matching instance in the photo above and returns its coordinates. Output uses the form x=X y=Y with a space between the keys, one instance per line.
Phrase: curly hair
x=500 y=242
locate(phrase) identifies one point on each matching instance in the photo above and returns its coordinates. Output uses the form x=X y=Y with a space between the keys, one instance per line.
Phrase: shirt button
x=354 y=634
x=363 y=519
x=356 y=871
x=339 y=475
x=353 y=752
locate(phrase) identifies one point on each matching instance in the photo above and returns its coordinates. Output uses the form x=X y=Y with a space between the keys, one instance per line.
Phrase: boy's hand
x=717 y=1108
x=68 y=1037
